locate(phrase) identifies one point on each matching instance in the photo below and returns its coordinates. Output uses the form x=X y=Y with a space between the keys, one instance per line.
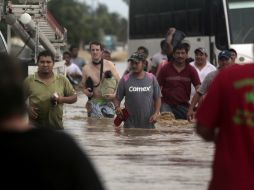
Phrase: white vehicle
x=35 y=30
x=212 y=24
x=3 y=46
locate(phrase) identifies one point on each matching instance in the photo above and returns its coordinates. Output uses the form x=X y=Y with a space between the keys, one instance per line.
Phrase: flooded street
x=164 y=158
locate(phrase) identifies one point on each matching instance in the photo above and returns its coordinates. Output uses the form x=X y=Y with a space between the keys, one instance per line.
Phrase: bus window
x=166 y=20
x=180 y=5
x=139 y=7
x=152 y=19
x=219 y=29
x=181 y=20
x=194 y=22
x=165 y=6
x=241 y=23
x=194 y=4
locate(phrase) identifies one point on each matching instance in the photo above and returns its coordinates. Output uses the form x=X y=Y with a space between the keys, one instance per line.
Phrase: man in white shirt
x=202 y=66
x=74 y=50
x=73 y=73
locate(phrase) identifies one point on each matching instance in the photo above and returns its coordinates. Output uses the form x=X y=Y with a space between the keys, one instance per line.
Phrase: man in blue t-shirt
x=142 y=95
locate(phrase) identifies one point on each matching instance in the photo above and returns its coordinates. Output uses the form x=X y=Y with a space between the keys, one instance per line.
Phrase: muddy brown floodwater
x=164 y=158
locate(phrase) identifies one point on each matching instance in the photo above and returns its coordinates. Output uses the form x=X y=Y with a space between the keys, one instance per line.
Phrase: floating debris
x=168 y=119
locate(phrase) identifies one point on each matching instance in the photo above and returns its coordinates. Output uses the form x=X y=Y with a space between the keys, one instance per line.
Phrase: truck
x=35 y=30
x=3 y=46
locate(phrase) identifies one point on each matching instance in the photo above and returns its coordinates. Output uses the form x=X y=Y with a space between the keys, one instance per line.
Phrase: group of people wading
x=223 y=98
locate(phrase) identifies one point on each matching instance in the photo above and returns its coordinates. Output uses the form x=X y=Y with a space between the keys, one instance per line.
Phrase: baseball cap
x=200 y=49
x=224 y=54
x=136 y=57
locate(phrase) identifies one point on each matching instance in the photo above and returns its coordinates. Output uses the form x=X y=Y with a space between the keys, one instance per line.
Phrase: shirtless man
x=98 y=106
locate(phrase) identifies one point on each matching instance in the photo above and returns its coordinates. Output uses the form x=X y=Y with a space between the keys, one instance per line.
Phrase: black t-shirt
x=44 y=159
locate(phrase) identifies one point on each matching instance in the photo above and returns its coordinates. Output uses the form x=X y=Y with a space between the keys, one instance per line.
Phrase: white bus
x=212 y=24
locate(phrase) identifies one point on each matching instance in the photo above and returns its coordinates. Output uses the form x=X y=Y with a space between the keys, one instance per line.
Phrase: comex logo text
x=139 y=89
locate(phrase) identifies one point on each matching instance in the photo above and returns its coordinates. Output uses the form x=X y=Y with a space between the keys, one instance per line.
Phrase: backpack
x=108 y=84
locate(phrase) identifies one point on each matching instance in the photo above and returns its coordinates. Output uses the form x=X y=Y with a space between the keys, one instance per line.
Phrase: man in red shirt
x=175 y=79
x=227 y=117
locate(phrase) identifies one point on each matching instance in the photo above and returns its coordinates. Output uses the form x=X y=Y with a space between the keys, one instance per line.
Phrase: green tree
x=73 y=16
x=111 y=23
x=84 y=24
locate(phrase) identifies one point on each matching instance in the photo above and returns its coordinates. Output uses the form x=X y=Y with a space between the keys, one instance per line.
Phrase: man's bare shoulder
x=108 y=63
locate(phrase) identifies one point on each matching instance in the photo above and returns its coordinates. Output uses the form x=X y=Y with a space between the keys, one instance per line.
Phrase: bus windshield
x=240 y=21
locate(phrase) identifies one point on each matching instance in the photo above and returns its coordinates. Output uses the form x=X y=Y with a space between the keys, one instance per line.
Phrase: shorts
x=179 y=111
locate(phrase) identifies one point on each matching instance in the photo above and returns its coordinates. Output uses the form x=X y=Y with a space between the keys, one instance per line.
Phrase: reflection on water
x=162 y=158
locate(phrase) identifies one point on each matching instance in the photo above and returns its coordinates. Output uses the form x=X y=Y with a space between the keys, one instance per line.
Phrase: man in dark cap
x=233 y=54
x=202 y=66
x=142 y=95
x=224 y=61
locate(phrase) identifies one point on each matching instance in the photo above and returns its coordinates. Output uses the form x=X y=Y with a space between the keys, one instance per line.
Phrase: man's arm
x=115 y=72
x=210 y=111
x=195 y=78
x=118 y=98
x=198 y=95
x=116 y=102
x=78 y=71
x=157 y=105
x=119 y=94
x=67 y=99
x=169 y=39
x=157 y=100
x=197 y=87
x=32 y=110
x=194 y=101
x=118 y=109
x=70 y=95
x=83 y=82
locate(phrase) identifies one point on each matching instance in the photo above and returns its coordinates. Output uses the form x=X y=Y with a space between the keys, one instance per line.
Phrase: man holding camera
x=99 y=104
x=47 y=92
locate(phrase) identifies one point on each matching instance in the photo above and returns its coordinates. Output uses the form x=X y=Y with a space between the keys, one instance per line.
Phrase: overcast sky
x=113 y=6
